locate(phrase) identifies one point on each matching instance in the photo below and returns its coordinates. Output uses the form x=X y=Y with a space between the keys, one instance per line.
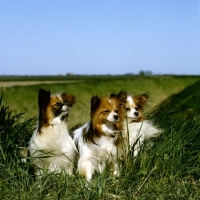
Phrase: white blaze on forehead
x=59 y=96
x=109 y=100
x=130 y=100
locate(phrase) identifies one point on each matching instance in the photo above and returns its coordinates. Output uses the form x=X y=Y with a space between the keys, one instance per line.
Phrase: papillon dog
x=137 y=127
x=97 y=140
x=51 y=147
x=135 y=107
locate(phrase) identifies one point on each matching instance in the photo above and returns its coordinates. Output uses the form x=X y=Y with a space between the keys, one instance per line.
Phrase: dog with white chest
x=137 y=128
x=51 y=147
x=97 y=141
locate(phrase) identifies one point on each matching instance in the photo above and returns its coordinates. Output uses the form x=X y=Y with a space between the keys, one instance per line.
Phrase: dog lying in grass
x=136 y=127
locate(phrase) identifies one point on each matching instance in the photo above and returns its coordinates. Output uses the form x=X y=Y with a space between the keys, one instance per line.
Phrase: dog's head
x=55 y=106
x=104 y=110
x=106 y=114
x=134 y=107
x=121 y=98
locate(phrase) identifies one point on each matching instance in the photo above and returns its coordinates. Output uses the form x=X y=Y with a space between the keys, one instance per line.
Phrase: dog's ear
x=122 y=96
x=43 y=98
x=95 y=101
x=68 y=98
x=113 y=95
x=141 y=99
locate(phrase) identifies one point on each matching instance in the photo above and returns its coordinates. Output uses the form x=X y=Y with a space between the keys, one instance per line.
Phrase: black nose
x=116 y=117
x=136 y=114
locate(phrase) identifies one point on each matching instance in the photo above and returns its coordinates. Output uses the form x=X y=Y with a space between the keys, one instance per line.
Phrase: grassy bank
x=166 y=168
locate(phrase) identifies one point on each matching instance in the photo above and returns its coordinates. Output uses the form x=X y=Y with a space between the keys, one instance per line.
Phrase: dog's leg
x=85 y=169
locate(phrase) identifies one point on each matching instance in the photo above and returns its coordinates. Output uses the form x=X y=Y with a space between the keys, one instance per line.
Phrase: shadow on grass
x=179 y=106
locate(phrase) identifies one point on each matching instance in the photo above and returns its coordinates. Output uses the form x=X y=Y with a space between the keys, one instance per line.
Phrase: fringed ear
x=68 y=98
x=141 y=99
x=90 y=134
x=43 y=101
x=43 y=98
x=95 y=102
x=122 y=95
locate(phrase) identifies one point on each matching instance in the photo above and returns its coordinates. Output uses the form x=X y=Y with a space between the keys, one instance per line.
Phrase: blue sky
x=51 y=37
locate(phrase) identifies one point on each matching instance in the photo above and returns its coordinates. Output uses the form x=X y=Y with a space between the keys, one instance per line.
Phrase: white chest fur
x=93 y=157
x=53 y=148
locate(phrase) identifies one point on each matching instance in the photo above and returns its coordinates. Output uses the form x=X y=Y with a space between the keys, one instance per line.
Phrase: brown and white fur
x=137 y=127
x=98 y=139
x=135 y=107
x=51 y=146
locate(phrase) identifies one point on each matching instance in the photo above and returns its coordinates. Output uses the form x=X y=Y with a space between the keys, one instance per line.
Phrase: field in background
x=24 y=98
x=166 y=168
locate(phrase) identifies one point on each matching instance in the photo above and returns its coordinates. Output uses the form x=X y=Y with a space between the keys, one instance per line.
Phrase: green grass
x=167 y=167
x=24 y=99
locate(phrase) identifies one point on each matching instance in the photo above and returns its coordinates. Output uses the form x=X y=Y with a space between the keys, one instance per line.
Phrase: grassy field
x=167 y=167
x=24 y=98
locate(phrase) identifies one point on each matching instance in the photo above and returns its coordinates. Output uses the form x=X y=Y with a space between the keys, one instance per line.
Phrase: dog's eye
x=106 y=111
x=58 y=104
x=127 y=109
x=116 y=111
